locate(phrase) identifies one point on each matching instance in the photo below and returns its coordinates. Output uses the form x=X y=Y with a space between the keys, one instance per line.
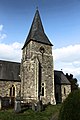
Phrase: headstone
x=6 y=102
x=39 y=106
x=17 y=106
x=34 y=107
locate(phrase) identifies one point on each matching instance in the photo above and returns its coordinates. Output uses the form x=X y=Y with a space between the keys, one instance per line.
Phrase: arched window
x=64 y=91
x=42 y=50
x=42 y=89
x=12 y=91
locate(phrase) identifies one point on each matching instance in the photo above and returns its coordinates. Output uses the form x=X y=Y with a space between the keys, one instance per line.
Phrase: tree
x=70 y=109
x=73 y=81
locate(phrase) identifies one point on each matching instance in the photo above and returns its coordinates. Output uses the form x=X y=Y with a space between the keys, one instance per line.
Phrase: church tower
x=37 y=72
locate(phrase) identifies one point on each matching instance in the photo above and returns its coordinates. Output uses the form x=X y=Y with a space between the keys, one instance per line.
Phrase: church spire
x=36 y=32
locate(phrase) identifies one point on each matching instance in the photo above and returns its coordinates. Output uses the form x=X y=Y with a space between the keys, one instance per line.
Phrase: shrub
x=70 y=109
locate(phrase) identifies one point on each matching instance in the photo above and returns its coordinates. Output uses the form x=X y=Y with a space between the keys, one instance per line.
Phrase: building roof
x=9 y=71
x=60 y=78
x=36 y=32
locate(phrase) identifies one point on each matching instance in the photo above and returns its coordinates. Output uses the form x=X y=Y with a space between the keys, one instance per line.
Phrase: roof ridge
x=9 y=61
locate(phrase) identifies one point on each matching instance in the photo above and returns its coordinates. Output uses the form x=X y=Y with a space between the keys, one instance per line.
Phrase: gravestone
x=5 y=102
x=17 y=106
x=34 y=107
x=39 y=106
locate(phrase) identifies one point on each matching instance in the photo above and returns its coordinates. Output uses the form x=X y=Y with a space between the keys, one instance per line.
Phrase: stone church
x=33 y=78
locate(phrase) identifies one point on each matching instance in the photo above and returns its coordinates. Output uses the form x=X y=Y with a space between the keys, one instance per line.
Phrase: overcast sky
x=61 y=21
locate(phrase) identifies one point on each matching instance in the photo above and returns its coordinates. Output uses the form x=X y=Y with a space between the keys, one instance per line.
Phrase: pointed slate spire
x=36 y=32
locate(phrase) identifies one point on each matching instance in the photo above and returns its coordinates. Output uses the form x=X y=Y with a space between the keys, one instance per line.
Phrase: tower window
x=42 y=50
x=42 y=84
x=42 y=89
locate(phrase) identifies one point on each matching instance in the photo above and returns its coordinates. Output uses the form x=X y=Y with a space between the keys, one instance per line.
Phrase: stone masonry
x=37 y=73
x=66 y=90
x=5 y=88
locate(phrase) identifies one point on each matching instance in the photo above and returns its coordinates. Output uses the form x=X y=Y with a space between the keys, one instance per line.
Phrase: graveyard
x=51 y=112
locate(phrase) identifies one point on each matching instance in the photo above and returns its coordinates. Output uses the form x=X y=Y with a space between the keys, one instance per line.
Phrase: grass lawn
x=47 y=114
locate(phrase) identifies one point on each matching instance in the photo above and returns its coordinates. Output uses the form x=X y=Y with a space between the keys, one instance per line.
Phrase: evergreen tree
x=70 y=109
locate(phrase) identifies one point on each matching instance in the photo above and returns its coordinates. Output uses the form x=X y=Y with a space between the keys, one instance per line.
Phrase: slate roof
x=60 y=78
x=36 y=32
x=9 y=71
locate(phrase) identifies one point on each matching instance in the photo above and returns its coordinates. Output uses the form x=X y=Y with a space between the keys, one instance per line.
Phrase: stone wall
x=5 y=88
x=37 y=72
x=66 y=90
x=28 y=82
x=61 y=92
